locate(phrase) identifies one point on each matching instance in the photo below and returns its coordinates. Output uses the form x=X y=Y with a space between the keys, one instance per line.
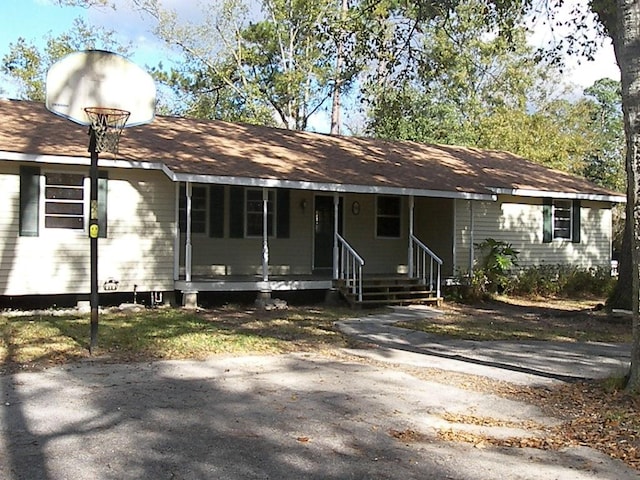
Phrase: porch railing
x=422 y=262
x=350 y=267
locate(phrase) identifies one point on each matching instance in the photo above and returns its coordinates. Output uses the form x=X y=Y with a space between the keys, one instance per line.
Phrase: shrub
x=539 y=281
x=496 y=260
x=563 y=280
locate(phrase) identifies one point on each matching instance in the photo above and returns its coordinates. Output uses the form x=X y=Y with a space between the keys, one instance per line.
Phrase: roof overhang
x=330 y=187
x=518 y=192
x=304 y=185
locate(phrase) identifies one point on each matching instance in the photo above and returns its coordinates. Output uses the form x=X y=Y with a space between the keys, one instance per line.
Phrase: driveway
x=298 y=416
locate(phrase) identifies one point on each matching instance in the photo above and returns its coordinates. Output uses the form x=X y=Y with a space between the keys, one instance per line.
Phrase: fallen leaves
x=595 y=417
x=408 y=435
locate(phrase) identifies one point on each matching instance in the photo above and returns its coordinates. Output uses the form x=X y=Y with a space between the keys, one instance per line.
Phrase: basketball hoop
x=107 y=125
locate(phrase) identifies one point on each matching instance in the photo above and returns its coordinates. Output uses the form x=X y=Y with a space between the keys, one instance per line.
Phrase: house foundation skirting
x=210 y=285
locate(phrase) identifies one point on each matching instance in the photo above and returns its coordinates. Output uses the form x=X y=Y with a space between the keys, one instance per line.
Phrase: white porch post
x=410 y=259
x=265 y=235
x=176 y=236
x=187 y=250
x=336 y=255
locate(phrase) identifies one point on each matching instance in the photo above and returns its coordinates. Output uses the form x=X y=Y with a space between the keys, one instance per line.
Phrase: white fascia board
x=518 y=192
x=244 y=181
x=68 y=160
x=328 y=187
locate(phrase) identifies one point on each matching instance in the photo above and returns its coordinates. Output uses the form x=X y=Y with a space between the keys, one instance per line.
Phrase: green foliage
x=275 y=68
x=605 y=161
x=459 y=82
x=563 y=281
x=28 y=65
x=496 y=261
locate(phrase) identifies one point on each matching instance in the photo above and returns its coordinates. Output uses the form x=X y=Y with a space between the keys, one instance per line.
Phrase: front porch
x=361 y=246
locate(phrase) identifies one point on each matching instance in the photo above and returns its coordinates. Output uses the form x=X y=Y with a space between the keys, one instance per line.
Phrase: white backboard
x=97 y=78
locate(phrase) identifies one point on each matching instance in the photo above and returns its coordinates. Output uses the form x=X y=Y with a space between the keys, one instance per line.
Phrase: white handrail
x=351 y=264
x=423 y=253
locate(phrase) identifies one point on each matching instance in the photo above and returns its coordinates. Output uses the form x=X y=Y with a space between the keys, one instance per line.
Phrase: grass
x=526 y=319
x=42 y=340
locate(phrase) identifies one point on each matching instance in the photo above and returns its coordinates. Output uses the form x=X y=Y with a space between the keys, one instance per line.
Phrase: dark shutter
x=575 y=223
x=547 y=224
x=216 y=211
x=103 y=187
x=283 y=214
x=29 y=201
x=236 y=212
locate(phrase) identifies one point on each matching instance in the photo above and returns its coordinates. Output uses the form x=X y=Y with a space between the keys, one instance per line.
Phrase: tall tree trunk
x=336 y=106
x=627 y=47
x=621 y=295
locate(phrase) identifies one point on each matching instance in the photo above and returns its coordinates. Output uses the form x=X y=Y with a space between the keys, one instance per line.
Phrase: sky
x=35 y=19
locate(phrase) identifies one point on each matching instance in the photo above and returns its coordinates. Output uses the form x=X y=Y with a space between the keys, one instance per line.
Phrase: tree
x=469 y=86
x=280 y=65
x=621 y=20
x=28 y=65
x=605 y=165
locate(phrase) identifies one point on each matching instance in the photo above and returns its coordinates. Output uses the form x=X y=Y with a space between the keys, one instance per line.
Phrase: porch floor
x=253 y=283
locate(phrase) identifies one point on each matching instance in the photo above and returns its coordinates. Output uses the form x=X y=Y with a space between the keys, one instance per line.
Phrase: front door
x=323 y=233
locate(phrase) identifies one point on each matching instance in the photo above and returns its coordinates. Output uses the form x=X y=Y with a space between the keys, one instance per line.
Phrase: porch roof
x=222 y=152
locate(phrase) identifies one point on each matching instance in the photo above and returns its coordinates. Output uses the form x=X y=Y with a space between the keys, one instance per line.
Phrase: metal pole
x=93 y=239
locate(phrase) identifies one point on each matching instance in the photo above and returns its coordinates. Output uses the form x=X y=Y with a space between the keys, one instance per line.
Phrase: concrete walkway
x=522 y=362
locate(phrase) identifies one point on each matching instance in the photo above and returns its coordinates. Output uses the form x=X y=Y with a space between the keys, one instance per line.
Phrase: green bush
x=564 y=281
x=495 y=261
x=538 y=281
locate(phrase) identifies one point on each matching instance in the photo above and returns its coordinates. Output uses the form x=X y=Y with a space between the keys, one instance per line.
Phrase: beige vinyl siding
x=519 y=221
x=138 y=249
x=139 y=246
x=381 y=255
x=433 y=226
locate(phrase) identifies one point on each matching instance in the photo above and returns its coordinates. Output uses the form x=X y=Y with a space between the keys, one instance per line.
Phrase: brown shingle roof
x=202 y=147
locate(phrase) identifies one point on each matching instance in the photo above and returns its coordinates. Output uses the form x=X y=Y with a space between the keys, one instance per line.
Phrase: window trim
x=548 y=221
x=398 y=216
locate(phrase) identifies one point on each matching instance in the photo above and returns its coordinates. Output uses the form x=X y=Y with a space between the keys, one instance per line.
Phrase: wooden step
x=389 y=290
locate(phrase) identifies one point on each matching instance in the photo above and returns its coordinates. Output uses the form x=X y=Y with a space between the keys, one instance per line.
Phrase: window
x=64 y=201
x=198 y=209
x=561 y=220
x=254 y=212
x=58 y=201
x=388 y=217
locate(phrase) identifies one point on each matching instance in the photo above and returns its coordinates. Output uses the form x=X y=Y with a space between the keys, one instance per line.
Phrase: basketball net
x=107 y=125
